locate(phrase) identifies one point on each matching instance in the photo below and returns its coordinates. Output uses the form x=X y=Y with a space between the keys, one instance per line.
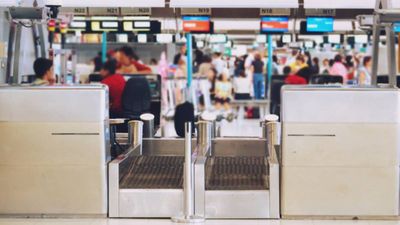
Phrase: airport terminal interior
x=214 y=112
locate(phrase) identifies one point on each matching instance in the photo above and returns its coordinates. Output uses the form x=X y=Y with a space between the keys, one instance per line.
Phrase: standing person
x=294 y=78
x=364 y=73
x=248 y=61
x=223 y=91
x=239 y=65
x=44 y=72
x=338 y=68
x=242 y=87
x=98 y=62
x=275 y=65
x=116 y=85
x=299 y=64
x=205 y=66
x=308 y=59
x=257 y=69
x=212 y=79
x=218 y=63
x=325 y=67
x=181 y=55
x=129 y=64
x=292 y=58
x=199 y=58
x=315 y=66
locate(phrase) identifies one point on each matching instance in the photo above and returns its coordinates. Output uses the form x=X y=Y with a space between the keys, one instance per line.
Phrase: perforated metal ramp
x=154 y=172
x=237 y=173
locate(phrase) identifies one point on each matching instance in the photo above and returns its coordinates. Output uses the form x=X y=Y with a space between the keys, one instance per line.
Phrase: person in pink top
x=338 y=68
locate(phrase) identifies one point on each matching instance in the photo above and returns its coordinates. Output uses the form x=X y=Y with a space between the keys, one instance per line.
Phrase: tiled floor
x=168 y=222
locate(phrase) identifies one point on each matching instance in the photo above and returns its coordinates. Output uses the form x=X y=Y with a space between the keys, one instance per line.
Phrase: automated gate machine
x=228 y=178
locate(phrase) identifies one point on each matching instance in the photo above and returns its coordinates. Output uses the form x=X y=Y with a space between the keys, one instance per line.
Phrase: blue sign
x=320 y=24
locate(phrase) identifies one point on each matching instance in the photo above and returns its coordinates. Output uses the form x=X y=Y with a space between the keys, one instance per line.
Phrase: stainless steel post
x=271 y=132
x=391 y=55
x=375 y=50
x=188 y=188
x=188 y=183
x=135 y=134
x=148 y=125
x=204 y=136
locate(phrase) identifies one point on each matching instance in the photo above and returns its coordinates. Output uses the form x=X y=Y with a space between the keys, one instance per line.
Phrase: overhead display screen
x=196 y=24
x=397 y=27
x=320 y=24
x=274 y=24
x=334 y=38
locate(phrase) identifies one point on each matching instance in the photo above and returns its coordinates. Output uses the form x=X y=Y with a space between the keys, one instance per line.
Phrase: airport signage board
x=321 y=12
x=196 y=11
x=274 y=12
x=136 y=11
x=78 y=11
x=196 y=24
x=235 y=3
x=340 y=4
x=106 y=11
x=113 y=3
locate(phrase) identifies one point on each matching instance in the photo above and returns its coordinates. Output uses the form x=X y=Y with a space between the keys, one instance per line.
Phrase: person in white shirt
x=242 y=87
x=218 y=63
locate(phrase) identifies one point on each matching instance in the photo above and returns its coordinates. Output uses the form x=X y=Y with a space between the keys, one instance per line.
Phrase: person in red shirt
x=129 y=62
x=293 y=79
x=116 y=86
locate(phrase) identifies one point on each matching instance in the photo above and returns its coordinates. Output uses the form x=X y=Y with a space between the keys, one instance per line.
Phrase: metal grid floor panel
x=236 y=173
x=154 y=172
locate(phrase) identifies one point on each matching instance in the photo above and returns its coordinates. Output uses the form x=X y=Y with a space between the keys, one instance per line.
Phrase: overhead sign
x=321 y=12
x=113 y=3
x=340 y=4
x=234 y=3
x=196 y=11
x=136 y=11
x=274 y=12
x=196 y=24
x=108 y=11
x=79 y=11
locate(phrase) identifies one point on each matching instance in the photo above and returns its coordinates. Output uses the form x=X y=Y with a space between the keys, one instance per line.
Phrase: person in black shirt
x=257 y=68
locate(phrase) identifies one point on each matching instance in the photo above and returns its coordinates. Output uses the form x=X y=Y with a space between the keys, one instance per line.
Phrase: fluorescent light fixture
x=77 y=24
x=340 y=4
x=234 y=4
x=109 y=24
x=142 y=38
x=103 y=18
x=79 y=18
x=134 y=18
x=141 y=24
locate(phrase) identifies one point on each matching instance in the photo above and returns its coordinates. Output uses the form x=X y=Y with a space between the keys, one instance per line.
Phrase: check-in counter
x=53 y=151
x=340 y=152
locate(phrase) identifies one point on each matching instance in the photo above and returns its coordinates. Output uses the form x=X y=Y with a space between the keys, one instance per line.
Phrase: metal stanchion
x=271 y=131
x=135 y=134
x=204 y=136
x=188 y=188
x=148 y=125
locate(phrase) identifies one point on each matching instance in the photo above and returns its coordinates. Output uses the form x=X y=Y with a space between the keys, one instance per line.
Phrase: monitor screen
x=274 y=24
x=196 y=24
x=334 y=39
x=319 y=24
x=397 y=27
x=309 y=44
x=287 y=38
x=165 y=38
x=361 y=39
x=142 y=38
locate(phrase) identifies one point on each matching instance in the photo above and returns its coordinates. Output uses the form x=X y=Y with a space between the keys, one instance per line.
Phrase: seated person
x=293 y=78
x=129 y=64
x=44 y=72
x=116 y=86
x=242 y=86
